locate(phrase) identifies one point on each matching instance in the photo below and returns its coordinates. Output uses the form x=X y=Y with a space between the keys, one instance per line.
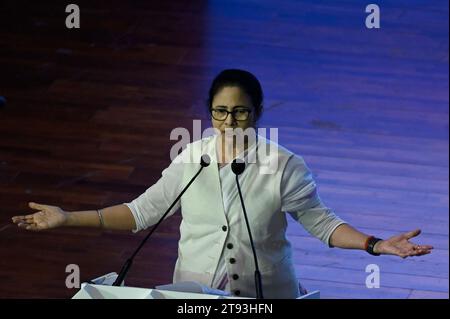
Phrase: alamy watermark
x=373 y=279
x=252 y=145
x=73 y=19
x=73 y=279
x=373 y=19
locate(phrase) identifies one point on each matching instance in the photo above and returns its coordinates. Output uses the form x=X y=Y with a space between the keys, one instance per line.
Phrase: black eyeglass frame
x=233 y=113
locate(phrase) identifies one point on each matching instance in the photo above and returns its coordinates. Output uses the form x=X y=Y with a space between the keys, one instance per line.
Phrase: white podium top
x=89 y=291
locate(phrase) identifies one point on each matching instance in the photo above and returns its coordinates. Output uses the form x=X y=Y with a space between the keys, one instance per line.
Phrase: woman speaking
x=215 y=248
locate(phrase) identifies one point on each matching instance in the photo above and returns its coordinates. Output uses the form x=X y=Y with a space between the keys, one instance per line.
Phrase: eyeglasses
x=240 y=114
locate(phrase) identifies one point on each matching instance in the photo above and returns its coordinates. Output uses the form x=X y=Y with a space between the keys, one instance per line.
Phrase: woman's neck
x=230 y=149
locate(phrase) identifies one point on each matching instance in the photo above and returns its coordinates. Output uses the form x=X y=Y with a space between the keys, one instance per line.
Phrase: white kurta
x=214 y=248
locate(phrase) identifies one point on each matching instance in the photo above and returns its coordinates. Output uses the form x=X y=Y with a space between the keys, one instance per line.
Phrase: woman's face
x=232 y=98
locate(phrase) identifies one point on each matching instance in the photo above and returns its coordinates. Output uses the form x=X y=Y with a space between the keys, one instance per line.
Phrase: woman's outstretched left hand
x=400 y=245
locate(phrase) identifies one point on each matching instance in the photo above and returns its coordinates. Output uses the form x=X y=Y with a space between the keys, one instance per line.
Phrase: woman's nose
x=230 y=119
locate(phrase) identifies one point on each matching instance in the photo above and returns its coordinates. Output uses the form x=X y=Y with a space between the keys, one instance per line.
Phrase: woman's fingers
x=17 y=219
x=419 y=250
x=412 y=233
x=28 y=218
x=32 y=227
x=23 y=225
x=428 y=247
x=423 y=250
x=36 y=205
x=35 y=222
x=22 y=220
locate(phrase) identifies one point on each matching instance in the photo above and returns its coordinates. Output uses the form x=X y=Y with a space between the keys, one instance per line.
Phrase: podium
x=92 y=291
x=101 y=288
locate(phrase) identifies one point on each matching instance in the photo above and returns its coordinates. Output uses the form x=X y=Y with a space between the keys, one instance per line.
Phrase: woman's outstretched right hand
x=46 y=218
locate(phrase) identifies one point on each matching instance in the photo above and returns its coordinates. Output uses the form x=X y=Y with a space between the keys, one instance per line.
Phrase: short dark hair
x=243 y=80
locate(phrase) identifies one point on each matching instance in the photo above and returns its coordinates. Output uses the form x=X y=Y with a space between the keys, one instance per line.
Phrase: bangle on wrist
x=100 y=217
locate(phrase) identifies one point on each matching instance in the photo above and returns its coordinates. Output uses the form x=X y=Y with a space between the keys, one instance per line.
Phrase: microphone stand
x=204 y=162
x=238 y=168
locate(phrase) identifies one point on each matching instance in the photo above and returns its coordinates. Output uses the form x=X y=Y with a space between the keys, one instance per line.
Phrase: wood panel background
x=89 y=113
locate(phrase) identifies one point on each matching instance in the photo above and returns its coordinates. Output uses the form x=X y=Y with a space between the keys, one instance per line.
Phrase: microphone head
x=205 y=160
x=238 y=166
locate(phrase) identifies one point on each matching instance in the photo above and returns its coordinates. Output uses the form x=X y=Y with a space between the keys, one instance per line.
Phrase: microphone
x=238 y=168
x=204 y=162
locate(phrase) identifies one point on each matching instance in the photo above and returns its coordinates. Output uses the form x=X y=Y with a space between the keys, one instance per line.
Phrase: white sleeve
x=148 y=208
x=299 y=197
